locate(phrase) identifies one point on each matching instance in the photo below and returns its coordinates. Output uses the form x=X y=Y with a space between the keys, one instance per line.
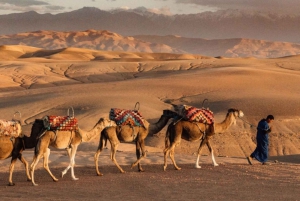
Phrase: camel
x=194 y=131
x=13 y=147
x=127 y=133
x=68 y=140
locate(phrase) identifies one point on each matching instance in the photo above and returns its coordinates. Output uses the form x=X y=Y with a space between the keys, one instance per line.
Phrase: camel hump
x=190 y=113
x=10 y=128
x=126 y=117
x=61 y=123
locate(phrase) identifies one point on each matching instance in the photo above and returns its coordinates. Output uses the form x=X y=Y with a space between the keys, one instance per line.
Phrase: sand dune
x=49 y=82
x=90 y=39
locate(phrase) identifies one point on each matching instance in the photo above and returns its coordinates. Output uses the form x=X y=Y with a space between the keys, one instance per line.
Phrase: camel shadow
x=287 y=158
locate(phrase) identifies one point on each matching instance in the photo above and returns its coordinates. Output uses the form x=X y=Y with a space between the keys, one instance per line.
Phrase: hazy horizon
x=166 y=7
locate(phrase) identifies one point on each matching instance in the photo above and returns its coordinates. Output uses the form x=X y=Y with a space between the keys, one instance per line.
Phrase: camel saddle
x=194 y=114
x=10 y=128
x=60 y=123
x=126 y=117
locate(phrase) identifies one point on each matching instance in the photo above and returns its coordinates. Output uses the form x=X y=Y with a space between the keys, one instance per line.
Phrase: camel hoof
x=55 y=180
x=178 y=168
x=34 y=184
x=216 y=165
x=99 y=174
x=11 y=184
x=28 y=179
x=75 y=179
x=198 y=166
x=141 y=170
x=165 y=168
x=62 y=174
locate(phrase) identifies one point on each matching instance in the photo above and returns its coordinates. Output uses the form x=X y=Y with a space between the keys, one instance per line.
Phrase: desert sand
x=39 y=82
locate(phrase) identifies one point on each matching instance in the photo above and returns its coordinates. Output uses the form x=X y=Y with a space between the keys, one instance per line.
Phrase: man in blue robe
x=262 y=138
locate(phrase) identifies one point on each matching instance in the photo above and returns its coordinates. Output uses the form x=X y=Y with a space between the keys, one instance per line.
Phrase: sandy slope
x=51 y=83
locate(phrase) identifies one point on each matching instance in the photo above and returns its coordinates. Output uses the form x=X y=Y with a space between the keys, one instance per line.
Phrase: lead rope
x=177 y=121
x=251 y=125
x=203 y=132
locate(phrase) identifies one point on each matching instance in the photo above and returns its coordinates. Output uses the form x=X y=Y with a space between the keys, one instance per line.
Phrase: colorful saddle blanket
x=126 y=117
x=10 y=128
x=191 y=113
x=61 y=123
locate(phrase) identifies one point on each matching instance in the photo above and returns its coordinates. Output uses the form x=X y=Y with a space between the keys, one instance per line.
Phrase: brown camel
x=68 y=140
x=13 y=147
x=194 y=131
x=127 y=133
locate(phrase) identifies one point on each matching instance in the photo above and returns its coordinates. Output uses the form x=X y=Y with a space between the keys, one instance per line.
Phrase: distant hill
x=209 y=25
x=236 y=47
x=89 y=39
x=110 y=41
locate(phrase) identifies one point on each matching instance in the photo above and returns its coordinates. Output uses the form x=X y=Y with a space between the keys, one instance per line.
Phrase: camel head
x=235 y=113
x=170 y=114
x=104 y=122
x=179 y=109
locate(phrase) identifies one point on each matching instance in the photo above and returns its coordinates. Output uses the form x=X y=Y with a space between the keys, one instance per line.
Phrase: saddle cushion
x=191 y=113
x=10 y=128
x=61 y=123
x=126 y=117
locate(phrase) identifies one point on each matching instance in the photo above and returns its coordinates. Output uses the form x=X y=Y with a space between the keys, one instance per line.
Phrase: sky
x=167 y=7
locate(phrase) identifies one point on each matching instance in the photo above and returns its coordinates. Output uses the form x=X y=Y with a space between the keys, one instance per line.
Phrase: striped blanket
x=10 y=128
x=126 y=117
x=191 y=113
x=61 y=123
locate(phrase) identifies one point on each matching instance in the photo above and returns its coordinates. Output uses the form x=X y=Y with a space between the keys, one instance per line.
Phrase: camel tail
x=103 y=141
x=167 y=139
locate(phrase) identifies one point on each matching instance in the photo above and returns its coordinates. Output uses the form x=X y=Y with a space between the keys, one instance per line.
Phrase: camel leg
x=69 y=166
x=166 y=152
x=139 y=146
x=96 y=157
x=172 y=156
x=113 y=156
x=212 y=153
x=40 y=151
x=22 y=159
x=199 y=152
x=72 y=163
x=11 y=169
x=68 y=151
x=35 y=161
x=97 y=154
x=46 y=164
x=171 y=152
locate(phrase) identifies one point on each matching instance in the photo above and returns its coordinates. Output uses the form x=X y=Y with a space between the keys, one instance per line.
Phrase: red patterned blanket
x=61 y=123
x=191 y=113
x=126 y=117
x=10 y=128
